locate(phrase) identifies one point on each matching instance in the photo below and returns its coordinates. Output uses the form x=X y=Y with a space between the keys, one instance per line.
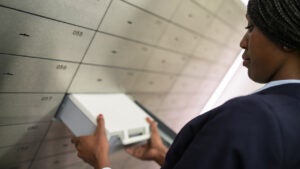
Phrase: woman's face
x=263 y=58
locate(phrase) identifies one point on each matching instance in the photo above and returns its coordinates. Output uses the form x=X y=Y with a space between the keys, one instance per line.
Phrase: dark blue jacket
x=258 y=131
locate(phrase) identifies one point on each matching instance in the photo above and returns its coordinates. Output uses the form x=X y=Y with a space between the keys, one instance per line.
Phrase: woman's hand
x=94 y=149
x=154 y=149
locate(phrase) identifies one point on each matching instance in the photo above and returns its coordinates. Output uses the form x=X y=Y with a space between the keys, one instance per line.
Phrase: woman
x=258 y=131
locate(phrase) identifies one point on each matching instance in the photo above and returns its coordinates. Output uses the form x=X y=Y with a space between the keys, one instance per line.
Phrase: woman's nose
x=244 y=42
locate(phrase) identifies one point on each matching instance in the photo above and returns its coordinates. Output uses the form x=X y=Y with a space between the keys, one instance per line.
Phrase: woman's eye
x=249 y=27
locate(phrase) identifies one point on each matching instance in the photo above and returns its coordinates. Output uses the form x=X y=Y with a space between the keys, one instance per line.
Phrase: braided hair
x=279 y=20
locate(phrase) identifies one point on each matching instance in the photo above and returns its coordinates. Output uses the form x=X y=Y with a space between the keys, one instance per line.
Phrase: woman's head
x=272 y=42
x=279 y=20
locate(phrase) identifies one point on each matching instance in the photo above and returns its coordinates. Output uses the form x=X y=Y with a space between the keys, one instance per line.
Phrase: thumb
x=153 y=125
x=100 y=130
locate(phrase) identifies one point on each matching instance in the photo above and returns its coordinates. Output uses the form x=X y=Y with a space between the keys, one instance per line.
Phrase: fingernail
x=100 y=116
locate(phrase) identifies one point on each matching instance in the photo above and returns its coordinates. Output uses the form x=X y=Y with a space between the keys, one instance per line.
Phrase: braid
x=279 y=20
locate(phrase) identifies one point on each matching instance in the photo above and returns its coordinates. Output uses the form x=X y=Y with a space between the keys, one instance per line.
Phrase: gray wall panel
x=112 y=51
x=212 y=6
x=54 y=147
x=79 y=165
x=153 y=82
x=179 y=39
x=133 y=23
x=22 y=74
x=30 y=35
x=193 y=16
x=24 y=165
x=102 y=79
x=149 y=101
x=56 y=162
x=165 y=61
x=159 y=7
x=26 y=108
x=17 y=154
x=87 y=13
x=58 y=130
x=22 y=133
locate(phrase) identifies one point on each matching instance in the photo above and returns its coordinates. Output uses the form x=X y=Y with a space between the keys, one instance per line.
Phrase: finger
x=75 y=140
x=132 y=151
x=139 y=151
x=149 y=120
x=146 y=145
x=136 y=151
x=78 y=147
x=100 y=130
x=153 y=125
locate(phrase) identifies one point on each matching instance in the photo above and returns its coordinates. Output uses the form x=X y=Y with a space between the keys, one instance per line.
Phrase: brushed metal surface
x=153 y=82
x=174 y=118
x=165 y=61
x=178 y=39
x=22 y=133
x=172 y=100
x=196 y=67
x=212 y=6
x=230 y=54
x=159 y=7
x=217 y=71
x=80 y=165
x=26 y=108
x=98 y=79
x=208 y=50
x=113 y=51
x=231 y=12
x=192 y=16
x=24 y=165
x=235 y=39
x=150 y=101
x=56 y=162
x=219 y=31
x=17 y=154
x=87 y=13
x=197 y=100
x=55 y=147
x=58 y=130
x=127 y=21
x=22 y=74
x=185 y=84
x=121 y=159
x=207 y=86
x=30 y=35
